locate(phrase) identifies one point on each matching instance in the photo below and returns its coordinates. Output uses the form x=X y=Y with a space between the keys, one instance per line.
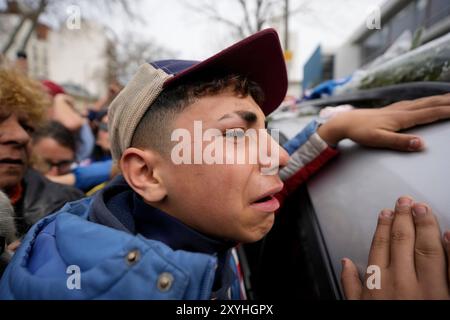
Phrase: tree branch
x=13 y=35
x=212 y=13
x=247 y=21
x=34 y=22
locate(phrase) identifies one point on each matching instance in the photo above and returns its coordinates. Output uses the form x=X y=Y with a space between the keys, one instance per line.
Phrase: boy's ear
x=141 y=169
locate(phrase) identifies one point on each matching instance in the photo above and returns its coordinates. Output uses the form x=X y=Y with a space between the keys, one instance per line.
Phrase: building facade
x=431 y=17
x=76 y=57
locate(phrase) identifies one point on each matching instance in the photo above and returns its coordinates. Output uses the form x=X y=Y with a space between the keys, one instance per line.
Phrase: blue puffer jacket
x=113 y=264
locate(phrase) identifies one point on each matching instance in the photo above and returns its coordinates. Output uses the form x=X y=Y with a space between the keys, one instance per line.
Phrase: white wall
x=78 y=56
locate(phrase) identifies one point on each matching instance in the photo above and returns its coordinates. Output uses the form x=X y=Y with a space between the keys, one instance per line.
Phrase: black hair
x=58 y=132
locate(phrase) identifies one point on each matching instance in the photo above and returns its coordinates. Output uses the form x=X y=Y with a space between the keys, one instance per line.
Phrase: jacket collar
x=119 y=207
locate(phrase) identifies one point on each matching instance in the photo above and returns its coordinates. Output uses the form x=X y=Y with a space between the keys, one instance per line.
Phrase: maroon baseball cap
x=258 y=57
x=52 y=88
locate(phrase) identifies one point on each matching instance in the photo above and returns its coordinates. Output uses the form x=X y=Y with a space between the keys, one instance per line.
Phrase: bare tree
x=54 y=10
x=127 y=52
x=34 y=20
x=252 y=15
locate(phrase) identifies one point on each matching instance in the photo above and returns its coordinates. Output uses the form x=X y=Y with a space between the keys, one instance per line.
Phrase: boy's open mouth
x=266 y=198
x=267 y=202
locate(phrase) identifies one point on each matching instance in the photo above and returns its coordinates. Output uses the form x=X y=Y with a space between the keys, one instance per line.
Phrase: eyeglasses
x=63 y=166
x=103 y=126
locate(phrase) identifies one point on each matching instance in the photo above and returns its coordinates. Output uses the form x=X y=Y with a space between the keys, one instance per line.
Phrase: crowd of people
x=165 y=230
x=50 y=151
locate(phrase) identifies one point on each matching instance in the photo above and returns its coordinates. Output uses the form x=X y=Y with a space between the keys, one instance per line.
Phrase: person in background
x=96 y=111
x=102 y=149
x=23 y=107
x=103 y=103
x=99 y=168
x=53 y=149
x=21 y=63
x=63 y=110
x=8 y=232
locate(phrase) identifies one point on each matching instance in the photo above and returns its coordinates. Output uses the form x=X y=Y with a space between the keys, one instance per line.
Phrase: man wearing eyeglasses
x=53 y=149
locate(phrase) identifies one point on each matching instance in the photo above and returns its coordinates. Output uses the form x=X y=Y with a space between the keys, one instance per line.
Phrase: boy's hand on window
x=408 y=252
x=379 y=127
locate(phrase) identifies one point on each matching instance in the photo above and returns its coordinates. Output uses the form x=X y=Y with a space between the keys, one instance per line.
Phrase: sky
x=171 y=24
x=193 y=36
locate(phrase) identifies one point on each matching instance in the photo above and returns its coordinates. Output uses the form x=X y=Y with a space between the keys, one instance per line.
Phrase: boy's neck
x=119 y=207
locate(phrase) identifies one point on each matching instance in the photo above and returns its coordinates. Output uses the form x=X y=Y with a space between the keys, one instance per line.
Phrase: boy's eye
x=234 y=133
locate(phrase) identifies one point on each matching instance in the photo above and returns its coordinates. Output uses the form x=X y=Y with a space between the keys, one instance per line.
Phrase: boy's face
x=226 y=201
